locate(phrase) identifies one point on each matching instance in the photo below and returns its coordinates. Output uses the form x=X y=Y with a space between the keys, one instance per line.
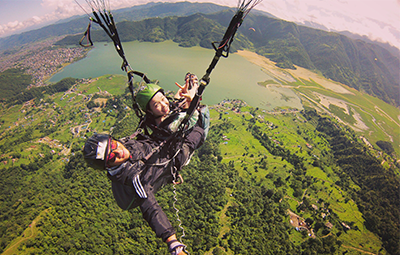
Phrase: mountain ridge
x=361 y=64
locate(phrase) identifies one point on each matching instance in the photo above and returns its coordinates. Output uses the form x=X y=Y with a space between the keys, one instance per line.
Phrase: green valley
x=260 y=176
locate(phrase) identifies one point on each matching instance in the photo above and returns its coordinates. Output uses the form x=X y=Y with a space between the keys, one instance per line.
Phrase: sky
x=377 y=19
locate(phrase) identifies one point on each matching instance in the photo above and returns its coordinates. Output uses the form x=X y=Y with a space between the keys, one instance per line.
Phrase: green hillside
x=258 y=177
x=372 y=119
x=12 y=81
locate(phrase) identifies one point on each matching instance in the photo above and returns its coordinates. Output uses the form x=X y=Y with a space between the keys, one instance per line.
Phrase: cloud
x=16 y=25
x=379 y=20
x=54 y=10
x=60 y=9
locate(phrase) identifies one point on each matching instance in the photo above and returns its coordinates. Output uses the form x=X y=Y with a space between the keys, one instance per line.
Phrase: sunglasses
x=111 y=155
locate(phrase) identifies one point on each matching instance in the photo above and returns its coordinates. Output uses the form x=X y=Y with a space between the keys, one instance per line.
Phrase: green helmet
x=146 y=93
x=96 y=150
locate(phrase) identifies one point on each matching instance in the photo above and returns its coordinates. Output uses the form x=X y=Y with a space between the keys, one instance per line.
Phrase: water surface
x=233 y=78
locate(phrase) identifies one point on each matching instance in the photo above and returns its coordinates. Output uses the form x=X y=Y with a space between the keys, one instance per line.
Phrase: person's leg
x=160 y=224
x=195 y=138
x=192 y=141
x=154 y=215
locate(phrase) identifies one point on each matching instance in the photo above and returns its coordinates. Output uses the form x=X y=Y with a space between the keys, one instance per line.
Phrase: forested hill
x=364 y=66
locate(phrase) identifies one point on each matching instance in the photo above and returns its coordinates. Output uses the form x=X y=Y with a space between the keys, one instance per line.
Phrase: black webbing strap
x=154 y=150
x=135 y=105
x=111 y=31
x=224 y=46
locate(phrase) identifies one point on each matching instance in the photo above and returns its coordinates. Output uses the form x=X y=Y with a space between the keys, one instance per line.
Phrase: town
x=41 y=60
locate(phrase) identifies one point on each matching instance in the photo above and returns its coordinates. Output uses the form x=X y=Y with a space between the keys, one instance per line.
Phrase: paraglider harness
x=106 y=21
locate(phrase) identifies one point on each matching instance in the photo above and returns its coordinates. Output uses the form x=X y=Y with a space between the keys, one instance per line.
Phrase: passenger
x=163 y=115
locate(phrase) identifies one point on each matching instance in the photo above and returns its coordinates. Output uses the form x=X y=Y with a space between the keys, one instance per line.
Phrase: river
x=233 y=78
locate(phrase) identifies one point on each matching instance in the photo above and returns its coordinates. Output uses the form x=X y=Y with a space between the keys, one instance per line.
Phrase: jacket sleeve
x=126 y=172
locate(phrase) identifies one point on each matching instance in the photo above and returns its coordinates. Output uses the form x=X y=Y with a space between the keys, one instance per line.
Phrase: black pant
x=157 y=176
x=154 y=215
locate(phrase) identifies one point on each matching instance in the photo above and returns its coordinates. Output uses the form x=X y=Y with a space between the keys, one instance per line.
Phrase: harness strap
x=224 y=46
x=136 y=133
x=87 y=36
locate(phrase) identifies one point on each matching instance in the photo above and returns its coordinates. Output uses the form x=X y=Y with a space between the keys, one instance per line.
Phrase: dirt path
x=28 y=233
x=224 y=220
x=357 y=249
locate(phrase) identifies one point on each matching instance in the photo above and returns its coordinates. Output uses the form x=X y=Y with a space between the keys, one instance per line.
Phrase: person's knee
x=183 y=156
x=195 y=138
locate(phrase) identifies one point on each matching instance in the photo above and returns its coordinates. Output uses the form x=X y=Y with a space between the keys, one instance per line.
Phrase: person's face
x=118 y=154
x=159 y=105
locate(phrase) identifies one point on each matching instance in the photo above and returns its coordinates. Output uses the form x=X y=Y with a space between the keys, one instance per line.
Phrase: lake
x=233 y=77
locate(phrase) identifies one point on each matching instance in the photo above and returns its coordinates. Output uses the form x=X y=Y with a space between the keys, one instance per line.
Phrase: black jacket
x=129 y=179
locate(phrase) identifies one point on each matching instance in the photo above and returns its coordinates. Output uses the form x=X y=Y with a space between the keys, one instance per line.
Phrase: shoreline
x=300 y=72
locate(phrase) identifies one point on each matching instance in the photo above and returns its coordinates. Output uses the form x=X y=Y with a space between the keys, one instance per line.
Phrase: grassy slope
x=29 y=233
x=380 y=121
x=244 y=151
x=65 y=114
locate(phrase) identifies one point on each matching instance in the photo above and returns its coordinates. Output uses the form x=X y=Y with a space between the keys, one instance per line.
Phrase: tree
x=385 y=146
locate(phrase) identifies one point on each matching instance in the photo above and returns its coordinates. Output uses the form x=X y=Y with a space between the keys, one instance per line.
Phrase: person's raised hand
x=188 y=91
